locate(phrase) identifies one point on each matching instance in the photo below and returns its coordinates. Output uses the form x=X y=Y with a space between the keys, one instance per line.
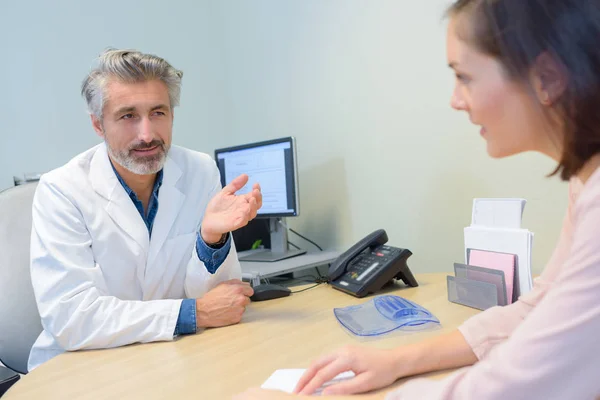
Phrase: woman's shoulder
x=584 y=198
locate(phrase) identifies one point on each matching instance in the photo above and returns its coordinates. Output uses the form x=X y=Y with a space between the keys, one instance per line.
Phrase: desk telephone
x=368 y=265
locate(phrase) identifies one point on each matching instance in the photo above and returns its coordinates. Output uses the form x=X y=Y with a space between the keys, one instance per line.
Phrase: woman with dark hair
x=528 y=73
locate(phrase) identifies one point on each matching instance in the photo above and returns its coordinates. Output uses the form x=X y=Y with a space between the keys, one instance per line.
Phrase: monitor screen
x=273 y=165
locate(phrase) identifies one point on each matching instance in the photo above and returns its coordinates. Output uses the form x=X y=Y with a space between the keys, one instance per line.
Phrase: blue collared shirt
x=212 y=258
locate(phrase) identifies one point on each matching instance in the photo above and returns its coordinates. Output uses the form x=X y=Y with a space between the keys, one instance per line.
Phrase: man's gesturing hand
x=227 y=211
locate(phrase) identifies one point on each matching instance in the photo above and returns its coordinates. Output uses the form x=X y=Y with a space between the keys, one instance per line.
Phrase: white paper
x=498 y=213
x=512 y=241
x=286 y=380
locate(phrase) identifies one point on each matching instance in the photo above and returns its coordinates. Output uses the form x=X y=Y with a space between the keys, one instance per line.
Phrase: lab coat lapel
x=119 y=206
x=170 y=200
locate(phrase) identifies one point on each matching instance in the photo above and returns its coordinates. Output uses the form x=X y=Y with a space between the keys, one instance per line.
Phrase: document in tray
x=511 y=241
x=498 y=261
x=286 y=380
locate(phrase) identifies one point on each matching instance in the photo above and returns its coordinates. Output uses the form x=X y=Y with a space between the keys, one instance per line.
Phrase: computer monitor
x=272 y=164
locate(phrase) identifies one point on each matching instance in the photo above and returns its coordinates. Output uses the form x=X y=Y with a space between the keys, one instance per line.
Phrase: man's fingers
x=247 y=290
x=245 y=302
x=255 y=201
x=248 y=209
x=253 y=208
x=236 y=184
x=258 y=196
x=242 y=301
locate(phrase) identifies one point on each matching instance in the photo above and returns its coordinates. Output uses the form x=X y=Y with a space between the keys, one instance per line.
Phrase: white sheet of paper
x=512 y=241
x=498 y=213
x=286 y=380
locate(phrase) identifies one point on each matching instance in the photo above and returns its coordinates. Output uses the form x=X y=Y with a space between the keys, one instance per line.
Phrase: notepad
x=499 y=261
x=287 y=379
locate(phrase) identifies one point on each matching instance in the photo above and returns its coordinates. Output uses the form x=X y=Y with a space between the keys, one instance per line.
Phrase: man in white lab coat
x=131 y=239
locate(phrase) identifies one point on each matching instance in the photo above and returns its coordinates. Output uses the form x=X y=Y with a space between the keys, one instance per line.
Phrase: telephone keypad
x=368 y=267
x=367 y=263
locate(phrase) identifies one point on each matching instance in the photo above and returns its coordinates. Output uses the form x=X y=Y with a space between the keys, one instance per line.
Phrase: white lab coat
x=99 y=281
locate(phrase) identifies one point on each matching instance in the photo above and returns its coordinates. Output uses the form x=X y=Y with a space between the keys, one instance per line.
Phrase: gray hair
x=129 y=66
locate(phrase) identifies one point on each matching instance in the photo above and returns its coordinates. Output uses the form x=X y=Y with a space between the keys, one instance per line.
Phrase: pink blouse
x=547 y=344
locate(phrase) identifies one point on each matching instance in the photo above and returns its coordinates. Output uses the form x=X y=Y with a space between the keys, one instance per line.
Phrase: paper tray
x=471 y=293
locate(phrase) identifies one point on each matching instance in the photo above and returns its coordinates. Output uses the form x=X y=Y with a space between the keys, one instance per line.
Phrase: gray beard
x=144 y=166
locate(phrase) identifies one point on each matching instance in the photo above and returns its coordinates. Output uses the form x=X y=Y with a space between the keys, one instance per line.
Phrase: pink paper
x=498 y=261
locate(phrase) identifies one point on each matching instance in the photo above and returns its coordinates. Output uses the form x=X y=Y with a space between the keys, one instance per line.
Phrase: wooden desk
x=218 y=363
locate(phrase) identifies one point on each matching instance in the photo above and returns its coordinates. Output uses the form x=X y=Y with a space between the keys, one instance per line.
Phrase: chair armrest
x=7 y=378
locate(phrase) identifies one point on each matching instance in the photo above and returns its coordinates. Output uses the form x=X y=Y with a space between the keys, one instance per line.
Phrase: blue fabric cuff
x=212 y=258
x=186 y=322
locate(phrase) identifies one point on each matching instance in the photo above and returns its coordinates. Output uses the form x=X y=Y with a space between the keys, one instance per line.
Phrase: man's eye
x=159 y=113
x=127 y=116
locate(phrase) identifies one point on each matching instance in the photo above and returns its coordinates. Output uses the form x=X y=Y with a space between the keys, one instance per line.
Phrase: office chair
x=19 y=316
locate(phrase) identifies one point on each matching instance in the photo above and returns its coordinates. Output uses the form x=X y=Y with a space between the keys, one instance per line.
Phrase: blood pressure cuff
x=385 y=314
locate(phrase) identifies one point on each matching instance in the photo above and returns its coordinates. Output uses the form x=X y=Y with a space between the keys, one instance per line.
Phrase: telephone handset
x=369 y=264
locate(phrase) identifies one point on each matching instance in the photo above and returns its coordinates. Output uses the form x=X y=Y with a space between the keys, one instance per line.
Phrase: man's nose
x=145 y=131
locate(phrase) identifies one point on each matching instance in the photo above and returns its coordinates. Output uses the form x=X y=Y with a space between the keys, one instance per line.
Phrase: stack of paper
x=287 y=379
x=496 y=227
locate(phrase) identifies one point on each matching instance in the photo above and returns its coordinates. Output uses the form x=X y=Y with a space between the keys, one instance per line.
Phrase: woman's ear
x=549 y=79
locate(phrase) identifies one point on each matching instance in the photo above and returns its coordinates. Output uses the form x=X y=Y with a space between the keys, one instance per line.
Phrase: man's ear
x=549 y=79
x=97 y=125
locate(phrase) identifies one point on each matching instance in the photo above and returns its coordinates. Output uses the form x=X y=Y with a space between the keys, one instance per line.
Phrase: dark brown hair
x=517 y=32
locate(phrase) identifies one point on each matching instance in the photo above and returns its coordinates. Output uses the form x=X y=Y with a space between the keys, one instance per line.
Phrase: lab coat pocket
x=170 y=264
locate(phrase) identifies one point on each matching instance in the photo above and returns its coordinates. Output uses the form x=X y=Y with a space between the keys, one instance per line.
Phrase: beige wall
x=362 y=85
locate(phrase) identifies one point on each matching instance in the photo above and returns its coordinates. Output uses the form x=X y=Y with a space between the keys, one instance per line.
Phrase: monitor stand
x=279 y=245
